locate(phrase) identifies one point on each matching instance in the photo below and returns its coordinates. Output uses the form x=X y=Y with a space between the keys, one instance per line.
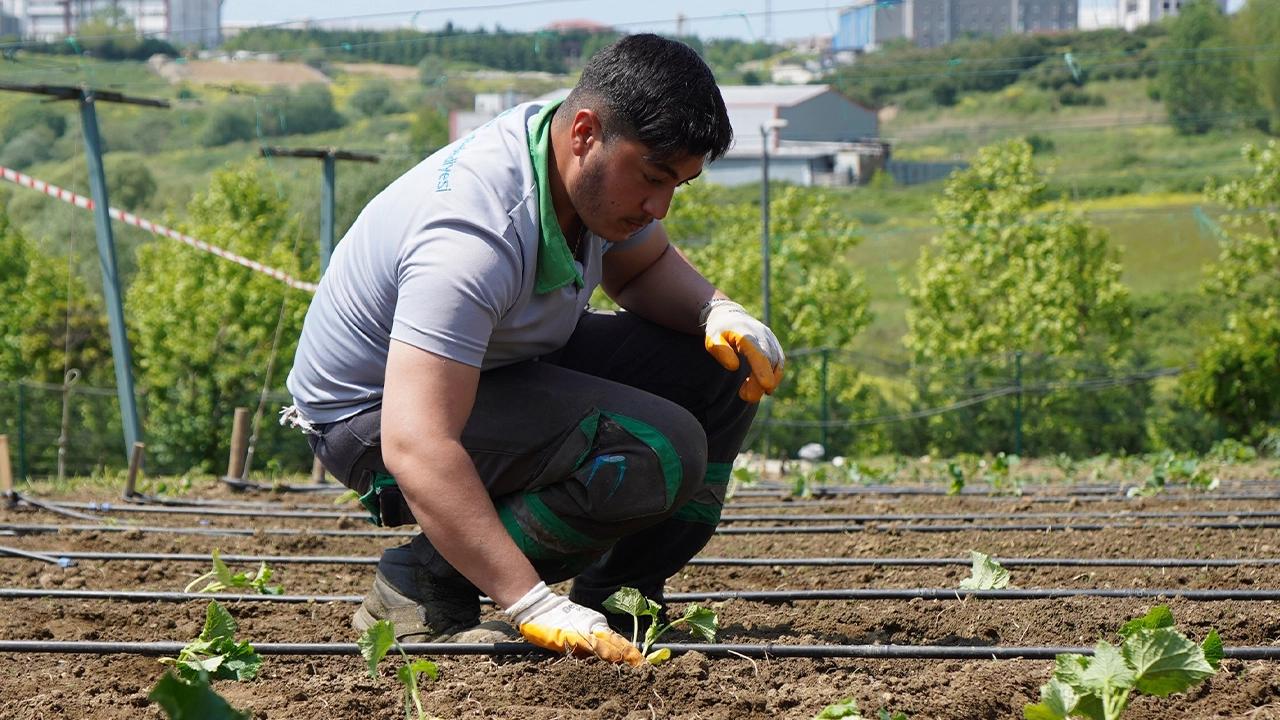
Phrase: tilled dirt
x=690 y=686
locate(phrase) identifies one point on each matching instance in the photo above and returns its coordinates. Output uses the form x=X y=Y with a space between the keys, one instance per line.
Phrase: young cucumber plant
x=847 y=709
x=374 y=644
x=987 y=574
x=187 y=695
x=701 y=621
x=1153 y=658
x=221 y=578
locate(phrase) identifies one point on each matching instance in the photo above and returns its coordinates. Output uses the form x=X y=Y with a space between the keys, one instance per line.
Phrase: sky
x=742 y=19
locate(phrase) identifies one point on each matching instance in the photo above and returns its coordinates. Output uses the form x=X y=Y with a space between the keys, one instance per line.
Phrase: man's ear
x=585 y=131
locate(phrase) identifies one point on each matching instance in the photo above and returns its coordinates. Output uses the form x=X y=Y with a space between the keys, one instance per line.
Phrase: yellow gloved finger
x=612 y=647
x=599 y=643
x=761 y=369
x=751 y=391
x=722 y=351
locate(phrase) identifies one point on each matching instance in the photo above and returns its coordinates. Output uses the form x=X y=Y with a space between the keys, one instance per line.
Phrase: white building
x=178 y=21
x=866 y=25
x=1131 y=14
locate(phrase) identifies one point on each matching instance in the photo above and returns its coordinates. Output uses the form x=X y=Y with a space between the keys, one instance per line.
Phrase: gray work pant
x=607 y=460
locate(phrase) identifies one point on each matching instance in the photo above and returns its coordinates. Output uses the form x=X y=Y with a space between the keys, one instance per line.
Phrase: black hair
x=656 y=91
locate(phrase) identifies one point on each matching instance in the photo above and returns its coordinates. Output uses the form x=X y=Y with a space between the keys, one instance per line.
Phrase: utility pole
x=87 y=98
x=330 y=156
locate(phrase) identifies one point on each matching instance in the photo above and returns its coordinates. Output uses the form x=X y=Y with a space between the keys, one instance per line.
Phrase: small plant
x=701 y=621
x=987 y=574
x=957 y=478
x=999 y=474
x=1153 y=658
x=186 y=693
x=847 y=709
x=221 y=578
x=374 y=644
x=215 y=651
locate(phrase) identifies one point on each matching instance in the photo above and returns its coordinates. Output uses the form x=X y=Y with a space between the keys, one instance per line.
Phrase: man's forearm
x=450 y=503
x=668 y=292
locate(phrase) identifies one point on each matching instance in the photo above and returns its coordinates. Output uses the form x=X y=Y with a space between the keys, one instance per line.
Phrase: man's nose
x=657 y=204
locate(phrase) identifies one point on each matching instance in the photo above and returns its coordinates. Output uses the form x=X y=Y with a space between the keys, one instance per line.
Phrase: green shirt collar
x=555 y=263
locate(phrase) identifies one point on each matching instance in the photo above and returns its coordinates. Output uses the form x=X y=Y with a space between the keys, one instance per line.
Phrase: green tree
x=1197 y=85
x=1238 y=377
x=429 y=131
x=130 y=184
x=374 y=97
x=1258 y=26
x=46 y=315
x=818 y=300
x=1005 y=277
x=204 y=326
x=51 y=322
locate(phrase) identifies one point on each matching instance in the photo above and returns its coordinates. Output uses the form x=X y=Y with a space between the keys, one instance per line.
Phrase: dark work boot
x=425 y=607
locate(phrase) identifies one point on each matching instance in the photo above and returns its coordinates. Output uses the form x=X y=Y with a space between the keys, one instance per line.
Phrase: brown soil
x=691 y=686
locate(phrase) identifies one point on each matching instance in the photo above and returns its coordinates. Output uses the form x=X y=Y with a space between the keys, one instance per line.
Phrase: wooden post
x=135 y=465
x=317 y=473
x=6 y=472
x=239 y=443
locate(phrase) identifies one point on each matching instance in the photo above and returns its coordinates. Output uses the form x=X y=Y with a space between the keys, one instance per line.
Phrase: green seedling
x=187 y=701
x=957 y=478
x=987 y=574
x=701 y=621
x=374 y=644
x=221 y=578
x=350 y=496
x=1153 y=658
x=215 y=652
x=185 y=693
x=847 y=709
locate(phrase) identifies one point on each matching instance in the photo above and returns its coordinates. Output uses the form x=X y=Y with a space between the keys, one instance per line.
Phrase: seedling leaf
x=216 y=652
x=702 y=622
x=198 y=701
x=1057 y=699
x=883 y=714
x=1165 y=661
x=987 y=574
x=1212 y=647
x=846 y=709
x=375 y=642
x=1158 y=617
x=659 y=656
x=630 y=601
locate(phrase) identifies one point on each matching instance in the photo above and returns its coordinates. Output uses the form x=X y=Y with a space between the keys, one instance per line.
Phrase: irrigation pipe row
x=60 y=556
x=715 y=650
x=765 y=530
x=730 y=517
x=761 y=596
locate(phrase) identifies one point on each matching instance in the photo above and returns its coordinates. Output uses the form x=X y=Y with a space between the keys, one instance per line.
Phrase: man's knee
x=637 y=468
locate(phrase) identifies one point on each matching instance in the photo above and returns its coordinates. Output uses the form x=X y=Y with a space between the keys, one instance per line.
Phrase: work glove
x=555 y=622
x=730 y=332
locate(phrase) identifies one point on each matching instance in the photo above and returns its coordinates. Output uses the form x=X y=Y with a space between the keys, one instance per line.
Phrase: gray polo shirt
x=461 y=256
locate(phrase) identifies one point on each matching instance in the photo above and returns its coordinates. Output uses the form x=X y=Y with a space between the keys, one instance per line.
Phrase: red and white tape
x=129 y=218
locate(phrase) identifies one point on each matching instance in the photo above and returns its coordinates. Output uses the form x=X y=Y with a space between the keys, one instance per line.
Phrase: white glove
x=555 y=622
x=730 y=332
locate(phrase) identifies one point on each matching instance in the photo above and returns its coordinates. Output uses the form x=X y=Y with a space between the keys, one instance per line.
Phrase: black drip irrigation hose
x=714 y=650
x=60 y=556
x=765 y=530
x=791 y=501
x=761 y=596
x=769 y=489
x=107 y=507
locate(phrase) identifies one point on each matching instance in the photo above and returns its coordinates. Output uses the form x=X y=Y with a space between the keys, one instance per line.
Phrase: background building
x=183 y=22
x=868 y=24
x=1132 y=14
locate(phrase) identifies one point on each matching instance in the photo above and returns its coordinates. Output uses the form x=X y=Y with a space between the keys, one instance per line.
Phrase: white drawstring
x=292 y=417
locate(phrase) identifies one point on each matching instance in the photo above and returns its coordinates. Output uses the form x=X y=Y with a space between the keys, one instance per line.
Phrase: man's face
x=621 y=187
